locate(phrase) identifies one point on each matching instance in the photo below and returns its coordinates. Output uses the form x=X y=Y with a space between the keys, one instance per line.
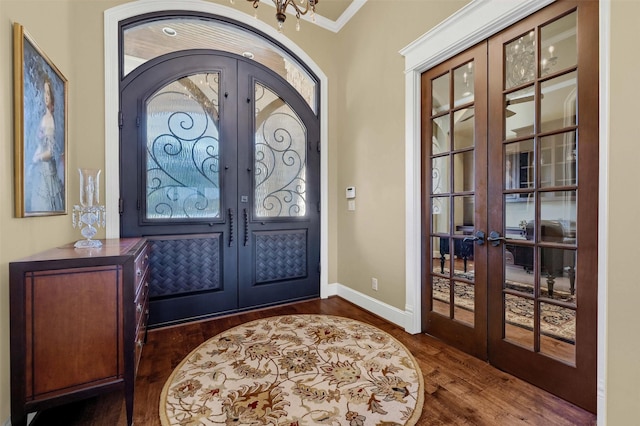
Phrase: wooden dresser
x=78 y=324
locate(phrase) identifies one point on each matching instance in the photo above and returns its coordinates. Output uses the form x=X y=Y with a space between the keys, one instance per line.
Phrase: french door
x=220 y=171
x=511 y=222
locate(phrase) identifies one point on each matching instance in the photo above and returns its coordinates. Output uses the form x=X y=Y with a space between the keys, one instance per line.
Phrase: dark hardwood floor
x=459 y=389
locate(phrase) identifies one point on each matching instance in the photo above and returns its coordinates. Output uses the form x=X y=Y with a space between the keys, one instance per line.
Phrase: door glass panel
x=558 y=216
x=464 y=302
x=440 y=259
x=440 y=215
x=560 y=149
x=464 y=172
x=280 y=147
x=464 y=214
x=519 y=215
x=440 y=175
x=440 y=94
x=441 y=141
x=520 y=60
x=557 y=274
x=463 y=128
x=518 y=166
x=558 y=104
x=519 y=320
x=519 y=113
x=558 y=45
x=463 y=85
x=518 y=261
x=183 y=150
x=441 y=295
x=463 y=260
x=558 y=332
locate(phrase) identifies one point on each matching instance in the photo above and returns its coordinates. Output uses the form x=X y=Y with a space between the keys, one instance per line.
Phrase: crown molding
x=480 y=19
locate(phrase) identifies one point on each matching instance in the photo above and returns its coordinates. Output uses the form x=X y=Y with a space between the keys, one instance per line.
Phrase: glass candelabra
x=89 y=214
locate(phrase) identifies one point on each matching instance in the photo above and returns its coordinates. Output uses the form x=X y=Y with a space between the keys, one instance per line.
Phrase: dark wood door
x=543 y=198
x=203 y=180
x=454 y=176
x=526 y=299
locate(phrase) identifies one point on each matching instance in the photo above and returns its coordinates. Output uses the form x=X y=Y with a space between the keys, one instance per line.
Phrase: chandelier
x=301 y=8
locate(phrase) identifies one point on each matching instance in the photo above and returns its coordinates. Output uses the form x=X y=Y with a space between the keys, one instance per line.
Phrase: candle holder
x=89 y=214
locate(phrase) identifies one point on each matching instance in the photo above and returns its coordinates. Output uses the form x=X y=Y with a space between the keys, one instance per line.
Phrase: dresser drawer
x=141 y=267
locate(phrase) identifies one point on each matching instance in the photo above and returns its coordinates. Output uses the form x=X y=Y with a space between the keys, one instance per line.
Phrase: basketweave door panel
x=193 y=168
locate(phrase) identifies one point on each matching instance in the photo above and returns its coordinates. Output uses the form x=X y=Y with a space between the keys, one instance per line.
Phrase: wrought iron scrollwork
x=280 y=157
x=183 y=150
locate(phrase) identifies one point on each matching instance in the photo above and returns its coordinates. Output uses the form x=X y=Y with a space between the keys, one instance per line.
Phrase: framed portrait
x=40 y=128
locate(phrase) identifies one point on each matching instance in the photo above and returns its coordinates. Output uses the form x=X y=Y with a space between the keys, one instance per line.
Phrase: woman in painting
x=47 y=190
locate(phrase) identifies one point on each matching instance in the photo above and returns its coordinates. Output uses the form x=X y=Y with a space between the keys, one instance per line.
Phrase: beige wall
x=366 y=149
x=623 y=341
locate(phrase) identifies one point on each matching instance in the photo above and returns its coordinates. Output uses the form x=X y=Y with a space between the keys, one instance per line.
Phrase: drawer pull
x=139 y=307
x=138 y=272
x=140 y=343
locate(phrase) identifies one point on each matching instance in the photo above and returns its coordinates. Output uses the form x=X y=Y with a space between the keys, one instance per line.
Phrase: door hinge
x=138 y=121
x=318 y=146
x=138 y=204
x=120 y=205
x=319 y=267
x=120 y=120
x=318 y=205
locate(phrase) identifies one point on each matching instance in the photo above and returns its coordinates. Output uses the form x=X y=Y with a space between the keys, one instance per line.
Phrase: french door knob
x=479 y=238
x=495 y=238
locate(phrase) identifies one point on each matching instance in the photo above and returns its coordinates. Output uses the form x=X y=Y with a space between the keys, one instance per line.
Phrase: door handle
x=495 y=238
x=479 y=238
x=246 y=227
x=231 y=226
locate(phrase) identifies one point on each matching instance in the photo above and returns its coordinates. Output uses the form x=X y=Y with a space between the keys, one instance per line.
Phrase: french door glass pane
x=280 y=147
x=519 y=113
x=520 y=60
x=464 y=302
x=558 y=332
x=561 y=150
x=441 y=141
x=464 y=172
x=183 y=150
x=463 y=128
x=440 y=94
x=557 y=274
x=519 y=320
x=558 y=104
x=558 y=45
x=464 y=214
x=463 y=86
x=440 y=215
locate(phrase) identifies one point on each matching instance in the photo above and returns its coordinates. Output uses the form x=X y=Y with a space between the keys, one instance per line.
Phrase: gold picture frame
x=40 y=129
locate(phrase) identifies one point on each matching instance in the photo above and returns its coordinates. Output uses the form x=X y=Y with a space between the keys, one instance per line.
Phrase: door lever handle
x=495 y=238
x=479 y=238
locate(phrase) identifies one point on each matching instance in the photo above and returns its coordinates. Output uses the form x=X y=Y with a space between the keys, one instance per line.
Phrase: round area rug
x=296 y=370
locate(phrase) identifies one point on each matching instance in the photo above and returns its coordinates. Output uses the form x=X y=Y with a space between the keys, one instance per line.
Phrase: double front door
x=510 y=178
x=220 y=171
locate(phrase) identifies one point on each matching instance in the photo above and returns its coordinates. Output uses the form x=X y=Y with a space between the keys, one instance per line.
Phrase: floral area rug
x=555 y=321
x=296 y=370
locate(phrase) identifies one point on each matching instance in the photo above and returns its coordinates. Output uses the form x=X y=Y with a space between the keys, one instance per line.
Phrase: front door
x=220 y=171
x=527 y=274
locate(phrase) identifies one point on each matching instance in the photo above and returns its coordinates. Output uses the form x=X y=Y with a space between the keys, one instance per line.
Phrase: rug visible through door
x=296 y=370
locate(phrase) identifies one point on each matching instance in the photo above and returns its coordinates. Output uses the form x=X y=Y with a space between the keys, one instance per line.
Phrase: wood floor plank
x=459 y=389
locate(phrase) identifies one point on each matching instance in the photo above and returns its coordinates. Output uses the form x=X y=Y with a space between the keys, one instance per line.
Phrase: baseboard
x=375 y=306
